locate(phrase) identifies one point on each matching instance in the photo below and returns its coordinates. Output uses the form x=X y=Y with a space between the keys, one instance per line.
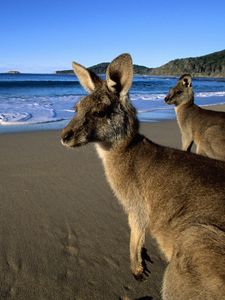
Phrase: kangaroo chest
x=120 y=179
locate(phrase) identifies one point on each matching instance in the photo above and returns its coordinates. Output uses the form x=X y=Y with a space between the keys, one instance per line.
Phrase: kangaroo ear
x=119 y=74
x=88 y=79
x=186 y=80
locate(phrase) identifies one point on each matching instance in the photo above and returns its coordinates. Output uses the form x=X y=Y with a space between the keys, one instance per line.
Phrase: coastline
x=44 y=101
x=162 y=115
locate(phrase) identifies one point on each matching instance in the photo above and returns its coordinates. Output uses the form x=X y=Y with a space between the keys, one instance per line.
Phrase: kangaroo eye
x=99 y=114
x=179 y=93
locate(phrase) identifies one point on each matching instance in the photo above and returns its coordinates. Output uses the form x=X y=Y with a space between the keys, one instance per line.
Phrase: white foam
x=14 y=118
x=210 y=94
x=35 y=110
x=147 y=97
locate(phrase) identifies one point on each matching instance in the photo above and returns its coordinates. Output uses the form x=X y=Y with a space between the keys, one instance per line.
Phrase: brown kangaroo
x=179 y=197
x=205 y=128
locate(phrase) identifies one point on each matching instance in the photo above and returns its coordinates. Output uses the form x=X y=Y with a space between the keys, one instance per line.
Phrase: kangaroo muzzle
x=168 y=99
x=67 y=136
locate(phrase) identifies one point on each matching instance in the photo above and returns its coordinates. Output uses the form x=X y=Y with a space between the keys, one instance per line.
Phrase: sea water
x=46 y=101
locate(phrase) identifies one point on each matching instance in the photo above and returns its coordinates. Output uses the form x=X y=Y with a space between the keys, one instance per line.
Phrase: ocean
x=46 y=101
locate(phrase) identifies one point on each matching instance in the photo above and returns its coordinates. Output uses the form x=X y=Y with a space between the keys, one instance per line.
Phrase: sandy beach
x=63 y=234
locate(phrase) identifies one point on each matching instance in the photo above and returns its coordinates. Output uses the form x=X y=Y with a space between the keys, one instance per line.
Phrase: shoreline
x=58 y=125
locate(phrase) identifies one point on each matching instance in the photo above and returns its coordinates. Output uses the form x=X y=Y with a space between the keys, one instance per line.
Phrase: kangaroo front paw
x=138 y=273
x=140 y=270
x=139 y=277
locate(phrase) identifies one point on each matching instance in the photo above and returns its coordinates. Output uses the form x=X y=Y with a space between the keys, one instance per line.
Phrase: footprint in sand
x=72 y=242
x=111 y=262
x=15 y=267
x=70 y=248
x=68 y=240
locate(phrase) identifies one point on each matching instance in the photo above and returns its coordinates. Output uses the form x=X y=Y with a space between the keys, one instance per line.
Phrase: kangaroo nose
x=166 y=99
x=67 y=135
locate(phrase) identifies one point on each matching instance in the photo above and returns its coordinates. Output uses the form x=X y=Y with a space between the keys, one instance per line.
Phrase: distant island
x=13 y=72
x=211 y=65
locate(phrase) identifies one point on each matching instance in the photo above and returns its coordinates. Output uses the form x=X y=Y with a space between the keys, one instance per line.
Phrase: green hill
x=211 y=65
x=101 y=69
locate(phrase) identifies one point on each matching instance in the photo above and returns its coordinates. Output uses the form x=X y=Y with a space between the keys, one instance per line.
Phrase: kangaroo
x=178 y=197
x=203 y=127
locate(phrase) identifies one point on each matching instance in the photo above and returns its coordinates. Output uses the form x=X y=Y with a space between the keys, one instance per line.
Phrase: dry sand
x=63 y=234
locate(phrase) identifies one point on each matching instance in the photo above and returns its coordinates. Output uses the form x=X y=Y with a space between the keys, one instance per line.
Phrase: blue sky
x=46 y=35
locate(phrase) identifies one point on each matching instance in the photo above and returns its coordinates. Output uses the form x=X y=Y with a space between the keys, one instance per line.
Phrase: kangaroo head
x=182 y=92
x=105 y=114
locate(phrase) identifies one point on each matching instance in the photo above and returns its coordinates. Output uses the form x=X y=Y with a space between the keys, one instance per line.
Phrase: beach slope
x=63 y=234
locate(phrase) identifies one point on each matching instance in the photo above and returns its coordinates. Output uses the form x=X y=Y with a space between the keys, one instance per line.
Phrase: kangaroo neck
x=106 y=150
x=185 y=109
